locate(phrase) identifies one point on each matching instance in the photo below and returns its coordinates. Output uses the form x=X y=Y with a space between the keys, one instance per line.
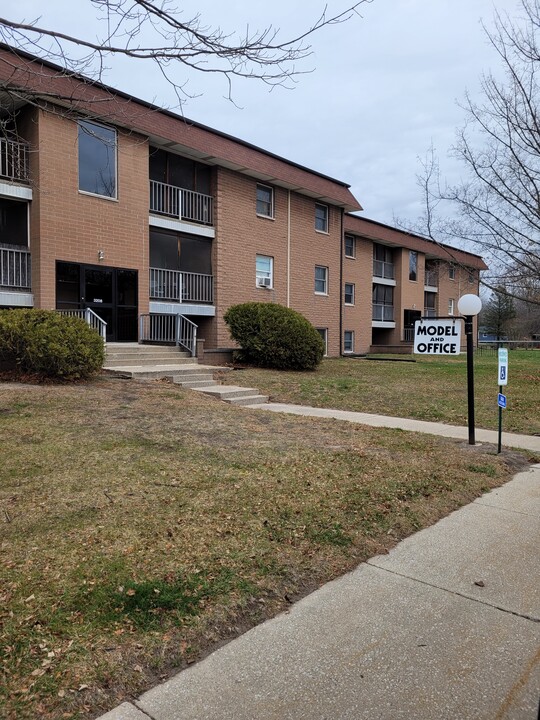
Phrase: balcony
x=382 y=269
x=430 y=312
x=15 y=272
x=382 y=313
x=182 y=287
x=432 y=278
x=181 y=204
x=14 y=160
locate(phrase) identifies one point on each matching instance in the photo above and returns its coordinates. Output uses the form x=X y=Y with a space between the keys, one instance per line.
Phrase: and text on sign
x=503 y=366
x=437 y=337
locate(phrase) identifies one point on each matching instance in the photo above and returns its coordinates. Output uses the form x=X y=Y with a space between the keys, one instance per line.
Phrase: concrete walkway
x=524 y=442
x=444 y=627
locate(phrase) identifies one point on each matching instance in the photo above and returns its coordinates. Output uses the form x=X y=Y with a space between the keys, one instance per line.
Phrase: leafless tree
x=157 y=31
x=496 y=209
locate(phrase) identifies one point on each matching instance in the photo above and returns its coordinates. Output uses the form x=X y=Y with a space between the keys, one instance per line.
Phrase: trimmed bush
x=274 y=336
x=50 y=345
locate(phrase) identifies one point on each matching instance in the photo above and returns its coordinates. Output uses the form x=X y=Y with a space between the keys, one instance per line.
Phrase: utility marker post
x=469 y=306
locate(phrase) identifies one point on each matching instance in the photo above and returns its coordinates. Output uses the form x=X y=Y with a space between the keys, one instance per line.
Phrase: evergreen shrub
x=274 y=336
x=49 y=345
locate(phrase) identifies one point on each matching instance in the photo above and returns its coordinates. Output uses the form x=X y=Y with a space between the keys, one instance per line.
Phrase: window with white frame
x=348 y=341
x=451 y=306
x=321 y=280
x=97 y=159
x=265 y=201
x=349 y=293
x=350 y=246
x=452 y=272
x=264 y=271
x=323 y=332
x=321 y=218
x=413 y=265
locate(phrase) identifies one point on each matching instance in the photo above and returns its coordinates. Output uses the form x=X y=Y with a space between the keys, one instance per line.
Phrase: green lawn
x=432 y=388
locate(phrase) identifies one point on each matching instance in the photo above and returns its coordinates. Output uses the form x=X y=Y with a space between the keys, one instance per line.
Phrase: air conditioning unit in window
x=264 y=282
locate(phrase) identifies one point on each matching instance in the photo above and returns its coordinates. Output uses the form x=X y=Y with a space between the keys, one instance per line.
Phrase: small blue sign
x=501 y=402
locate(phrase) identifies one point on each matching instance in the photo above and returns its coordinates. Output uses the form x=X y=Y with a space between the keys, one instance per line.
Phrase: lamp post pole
x=470 y=376
x=469 y=306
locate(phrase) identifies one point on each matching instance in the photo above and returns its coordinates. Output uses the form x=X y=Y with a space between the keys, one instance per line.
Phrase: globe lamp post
x=469 y=306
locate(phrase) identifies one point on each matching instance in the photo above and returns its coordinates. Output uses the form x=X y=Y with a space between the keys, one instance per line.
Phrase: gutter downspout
x=288 y=248
x=341 y=242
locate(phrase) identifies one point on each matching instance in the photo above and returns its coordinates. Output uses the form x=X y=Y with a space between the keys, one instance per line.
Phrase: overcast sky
x=384 y=86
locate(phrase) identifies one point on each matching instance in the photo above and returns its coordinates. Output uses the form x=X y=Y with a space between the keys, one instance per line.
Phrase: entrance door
x=110 y=292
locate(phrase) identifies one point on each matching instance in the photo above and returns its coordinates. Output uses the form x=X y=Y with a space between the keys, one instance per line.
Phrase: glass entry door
x=110 y=292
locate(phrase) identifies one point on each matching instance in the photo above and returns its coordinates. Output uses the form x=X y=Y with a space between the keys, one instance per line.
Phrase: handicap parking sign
x=501 y=401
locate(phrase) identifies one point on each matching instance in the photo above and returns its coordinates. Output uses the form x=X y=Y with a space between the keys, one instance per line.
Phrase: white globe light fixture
x=470 y=305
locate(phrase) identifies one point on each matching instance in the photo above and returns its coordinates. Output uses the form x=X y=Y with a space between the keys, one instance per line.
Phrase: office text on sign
x=437 y=337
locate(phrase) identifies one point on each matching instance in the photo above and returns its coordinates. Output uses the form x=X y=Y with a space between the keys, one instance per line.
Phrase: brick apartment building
x=158 y=224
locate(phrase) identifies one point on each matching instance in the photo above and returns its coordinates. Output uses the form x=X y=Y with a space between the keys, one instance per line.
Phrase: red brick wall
x=241 y=235
x=73 y=226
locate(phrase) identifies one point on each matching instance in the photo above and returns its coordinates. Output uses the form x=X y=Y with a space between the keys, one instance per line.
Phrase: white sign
x=437 y=337
x=503 y=366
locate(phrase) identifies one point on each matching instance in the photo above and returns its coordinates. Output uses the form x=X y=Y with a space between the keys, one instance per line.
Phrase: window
x=383 y=303
x=471 y=277
x=97 y=159
x=265 y=201
x=264 y=271
x=321 y=218
x=349 y=293
x=323 y=332
x=413 y=265
x=350 y=246
x=452 y=272
x=451 y=306
x=321 y=280
x=348 y=341
x=383 y=262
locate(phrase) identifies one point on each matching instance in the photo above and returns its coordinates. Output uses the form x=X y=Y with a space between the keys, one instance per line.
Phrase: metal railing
x=178 y=286
x=432 y=278
x=15 y=269
x=169 y=328
x=180 y=203
x=14 y=160
x=408 y=335
x=430 y=312
x=91 y=318
x=383 y=313
x=383 y=269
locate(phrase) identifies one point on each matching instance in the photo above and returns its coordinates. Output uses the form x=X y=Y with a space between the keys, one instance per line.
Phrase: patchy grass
x=141 y=524
x=431 y=388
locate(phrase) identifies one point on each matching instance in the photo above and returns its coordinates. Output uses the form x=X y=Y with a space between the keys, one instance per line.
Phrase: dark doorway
x=110 y=292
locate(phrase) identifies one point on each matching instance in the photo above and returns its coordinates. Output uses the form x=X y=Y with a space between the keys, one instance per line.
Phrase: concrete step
x=225 y=392
x=189 y=378
x=198 y=384
x=136 y=349
x=248 y=400
x=144 y=372
x=145 y=360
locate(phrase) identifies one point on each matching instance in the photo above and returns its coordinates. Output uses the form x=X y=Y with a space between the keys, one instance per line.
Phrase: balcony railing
x=383 y=269
x=14 y=160
x=432 y=278
x=383 y=313
x=430 y=312
x=180 y=203
x=177 y=286
x=15 y=269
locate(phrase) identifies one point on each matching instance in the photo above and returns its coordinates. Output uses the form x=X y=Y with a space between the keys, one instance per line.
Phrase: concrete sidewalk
x=524 y=442
x=444 y=627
